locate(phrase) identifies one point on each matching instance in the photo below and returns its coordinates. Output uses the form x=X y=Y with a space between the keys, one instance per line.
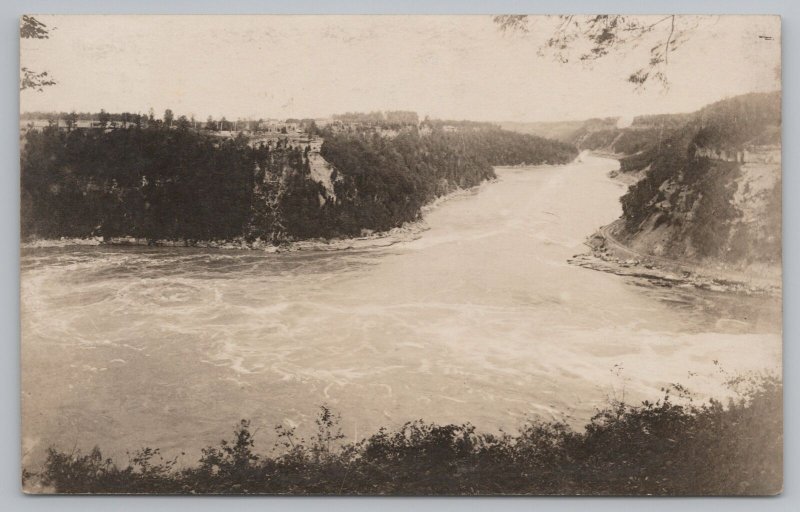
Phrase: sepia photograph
x=401 y=255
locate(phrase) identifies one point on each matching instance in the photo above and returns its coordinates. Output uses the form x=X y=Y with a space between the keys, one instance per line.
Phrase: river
x=479 y=318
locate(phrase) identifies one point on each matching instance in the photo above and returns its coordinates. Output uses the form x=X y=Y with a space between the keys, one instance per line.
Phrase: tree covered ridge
x=159 y=183
x=151 y=183
x=670 y=446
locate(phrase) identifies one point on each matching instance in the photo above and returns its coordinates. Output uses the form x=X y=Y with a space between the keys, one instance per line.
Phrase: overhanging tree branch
x=31 y=28
x=590 y=38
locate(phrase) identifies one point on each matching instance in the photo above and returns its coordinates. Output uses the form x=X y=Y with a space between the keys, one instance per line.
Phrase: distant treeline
x=654 y=448
x=180 y=184
x=93 y=116
x=168 y=119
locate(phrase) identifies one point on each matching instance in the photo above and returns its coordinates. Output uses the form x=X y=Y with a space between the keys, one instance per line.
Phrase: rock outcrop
x=711 y=193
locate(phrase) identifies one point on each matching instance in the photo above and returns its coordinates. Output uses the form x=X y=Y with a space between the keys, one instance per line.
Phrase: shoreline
x=605 y=154
x=607 y=254
x=406 y=232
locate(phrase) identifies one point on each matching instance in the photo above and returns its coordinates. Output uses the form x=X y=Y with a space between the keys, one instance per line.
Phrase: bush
x=666 y=447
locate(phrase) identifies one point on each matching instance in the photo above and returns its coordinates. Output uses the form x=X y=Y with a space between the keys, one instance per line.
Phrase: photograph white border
x=11 y=497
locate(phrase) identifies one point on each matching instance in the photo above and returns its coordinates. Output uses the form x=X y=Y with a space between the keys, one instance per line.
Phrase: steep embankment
x=710 y=198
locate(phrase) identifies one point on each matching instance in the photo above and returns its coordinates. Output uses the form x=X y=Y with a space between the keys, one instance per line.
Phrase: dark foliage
x=158 y=183
x=589 y=38
x=153 y=183
x=31 y=28
x=666 y=447
x=385 y=181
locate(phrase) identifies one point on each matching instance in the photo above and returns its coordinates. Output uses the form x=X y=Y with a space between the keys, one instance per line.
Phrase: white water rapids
x=479 y=319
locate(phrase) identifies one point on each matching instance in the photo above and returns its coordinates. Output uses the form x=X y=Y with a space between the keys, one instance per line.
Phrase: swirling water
x=479 y=319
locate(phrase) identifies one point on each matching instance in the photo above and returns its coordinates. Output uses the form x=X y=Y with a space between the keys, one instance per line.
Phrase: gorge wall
x=711 y=188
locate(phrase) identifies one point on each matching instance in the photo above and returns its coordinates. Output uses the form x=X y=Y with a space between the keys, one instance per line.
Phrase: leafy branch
x=590 y=38
x=31 y=28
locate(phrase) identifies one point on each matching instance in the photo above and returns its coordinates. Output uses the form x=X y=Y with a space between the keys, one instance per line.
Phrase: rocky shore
x=408 y=231
x=606 y=254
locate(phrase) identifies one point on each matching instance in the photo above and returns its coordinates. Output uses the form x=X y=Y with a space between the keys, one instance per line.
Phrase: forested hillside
x=711 y=190
x=158 y=183
x=605 y=135
x=151 y=183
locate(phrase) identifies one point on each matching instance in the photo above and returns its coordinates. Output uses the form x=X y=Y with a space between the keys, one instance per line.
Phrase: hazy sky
x=456 y=67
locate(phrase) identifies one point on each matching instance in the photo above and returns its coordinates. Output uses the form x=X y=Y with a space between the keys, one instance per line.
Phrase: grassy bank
x=665 y=447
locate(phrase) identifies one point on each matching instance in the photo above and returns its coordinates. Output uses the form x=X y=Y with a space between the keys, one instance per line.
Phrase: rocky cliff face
x=711 y=192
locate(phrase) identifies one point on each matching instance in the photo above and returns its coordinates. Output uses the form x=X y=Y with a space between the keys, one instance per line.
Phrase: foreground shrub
x=666 y=447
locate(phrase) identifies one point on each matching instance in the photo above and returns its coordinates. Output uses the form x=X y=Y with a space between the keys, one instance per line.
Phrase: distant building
x=34 y=124
x=62 y=124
